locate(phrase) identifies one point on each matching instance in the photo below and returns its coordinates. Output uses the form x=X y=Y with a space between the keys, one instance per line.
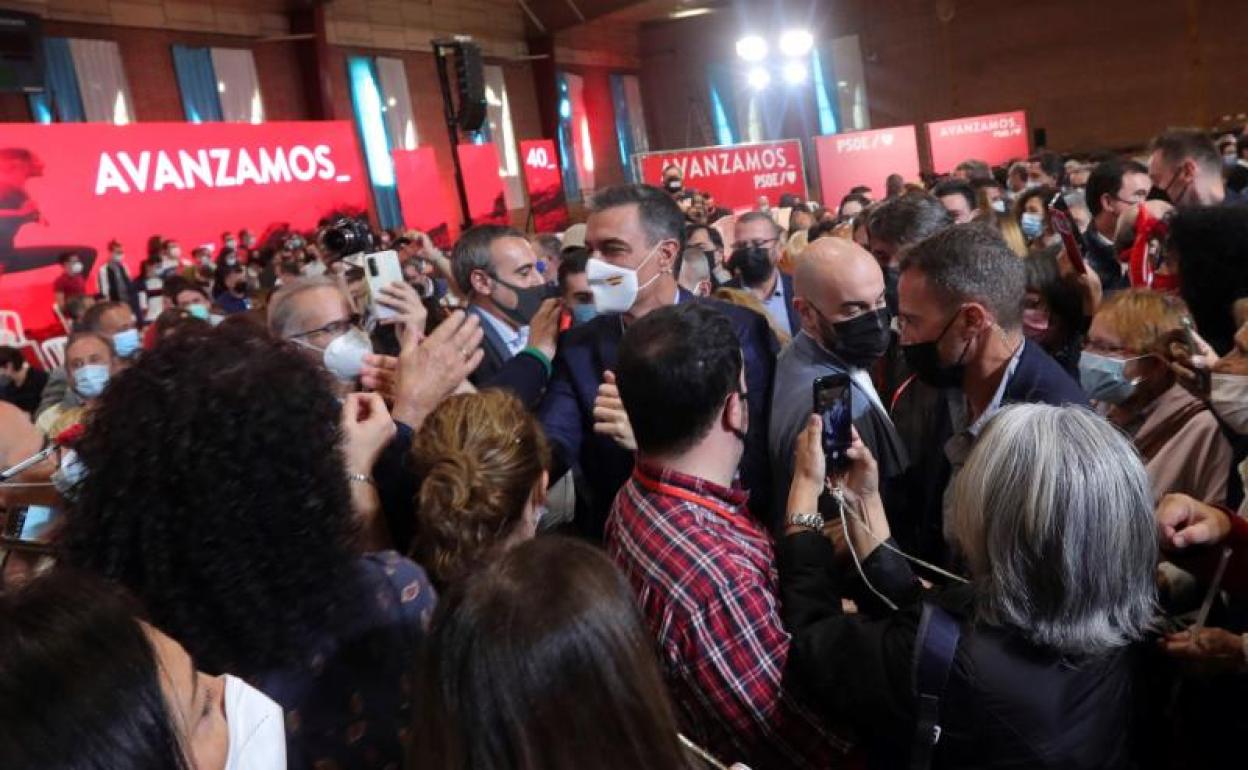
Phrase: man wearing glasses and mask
x=755 y=254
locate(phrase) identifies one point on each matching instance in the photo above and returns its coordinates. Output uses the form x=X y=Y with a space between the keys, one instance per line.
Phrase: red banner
x=482 y=183
x=737 y=175
x=79 y=185
x=544 y=183
x=423 y=198
x=991 y=138
x=865 y=158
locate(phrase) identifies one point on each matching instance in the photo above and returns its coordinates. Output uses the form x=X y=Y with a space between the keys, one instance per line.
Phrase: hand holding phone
x=833 y=403
x=380 y=270
x=1064 y=225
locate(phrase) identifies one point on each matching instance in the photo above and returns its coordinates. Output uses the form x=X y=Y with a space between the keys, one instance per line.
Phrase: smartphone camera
x=833 y=404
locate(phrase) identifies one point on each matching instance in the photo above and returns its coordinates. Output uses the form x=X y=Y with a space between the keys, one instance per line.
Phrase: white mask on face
x=256 y=728
x=344 y=356
x=1228 y=395
x=615 y=288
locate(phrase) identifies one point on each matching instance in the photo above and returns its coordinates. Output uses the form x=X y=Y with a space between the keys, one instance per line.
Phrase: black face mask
x=240 y=288
x=528 y=300
x=923 y=358
x=752 y=263
x=859 y=341
x=892 y=276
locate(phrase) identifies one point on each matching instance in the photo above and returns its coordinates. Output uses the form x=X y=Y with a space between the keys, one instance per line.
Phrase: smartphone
x=31 y=524
x=833 y=403
x=382 y=269
x=1064 y=224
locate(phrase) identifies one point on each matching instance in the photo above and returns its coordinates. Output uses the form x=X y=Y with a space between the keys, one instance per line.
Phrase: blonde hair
x=1008 y=225
x=745 y=299
x=480 y=455
x=1143 y=318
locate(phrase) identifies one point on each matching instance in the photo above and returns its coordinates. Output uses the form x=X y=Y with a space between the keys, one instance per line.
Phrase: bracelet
x=812 y=521
x=362 y=478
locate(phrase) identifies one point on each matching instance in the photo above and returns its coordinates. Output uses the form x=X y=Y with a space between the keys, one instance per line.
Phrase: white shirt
x=515 y=339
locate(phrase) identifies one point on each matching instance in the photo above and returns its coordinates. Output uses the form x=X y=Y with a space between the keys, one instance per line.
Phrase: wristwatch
x=807 y=521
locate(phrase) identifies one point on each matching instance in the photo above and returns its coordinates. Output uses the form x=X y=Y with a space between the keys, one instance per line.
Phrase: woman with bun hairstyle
x=484 y=462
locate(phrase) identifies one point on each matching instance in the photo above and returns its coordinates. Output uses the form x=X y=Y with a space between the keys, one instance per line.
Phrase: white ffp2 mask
x=615 y=288
x=1228 y=396
x=256 y=727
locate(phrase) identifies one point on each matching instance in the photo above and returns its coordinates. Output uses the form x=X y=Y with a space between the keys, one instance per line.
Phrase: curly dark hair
x=214 y=491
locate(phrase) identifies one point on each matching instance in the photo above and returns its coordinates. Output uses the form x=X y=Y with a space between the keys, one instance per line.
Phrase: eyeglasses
x=333 y=328
x=756 y=244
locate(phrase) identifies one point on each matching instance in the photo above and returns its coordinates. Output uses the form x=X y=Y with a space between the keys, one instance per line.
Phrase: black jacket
x=1008 y=702
x=1104 y=260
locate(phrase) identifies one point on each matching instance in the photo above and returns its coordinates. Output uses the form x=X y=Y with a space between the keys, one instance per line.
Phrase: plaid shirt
x=705 y=578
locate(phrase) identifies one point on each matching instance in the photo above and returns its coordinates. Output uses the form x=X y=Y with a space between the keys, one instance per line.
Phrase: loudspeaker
x=470 y=80
x=21 y=52
x=1039 y=138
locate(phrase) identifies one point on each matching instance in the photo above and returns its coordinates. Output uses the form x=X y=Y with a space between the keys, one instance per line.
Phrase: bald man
x=845 y=327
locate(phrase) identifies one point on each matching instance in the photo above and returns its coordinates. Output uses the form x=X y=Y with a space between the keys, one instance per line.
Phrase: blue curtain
x=567 y=148
x=826 y=98
x=725 y=114
x=371 y=124
x=61 y=101
x=623 y=126
x=198 y=83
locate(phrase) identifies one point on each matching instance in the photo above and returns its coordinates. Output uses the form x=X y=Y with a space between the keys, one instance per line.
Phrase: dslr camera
x=349 y=236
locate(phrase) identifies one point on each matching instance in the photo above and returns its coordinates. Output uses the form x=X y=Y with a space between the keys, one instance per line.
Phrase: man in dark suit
x=755 y=254
x=1114 y=187
x=634 y=236
x=961 y=297
x=497 y=270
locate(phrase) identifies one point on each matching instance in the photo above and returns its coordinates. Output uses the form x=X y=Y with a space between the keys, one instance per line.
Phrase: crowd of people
x=568 y=500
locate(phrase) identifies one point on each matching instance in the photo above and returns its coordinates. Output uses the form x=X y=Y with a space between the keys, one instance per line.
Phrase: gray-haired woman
x=1031 y=663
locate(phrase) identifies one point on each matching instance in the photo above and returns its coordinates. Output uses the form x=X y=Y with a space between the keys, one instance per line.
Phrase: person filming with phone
x=1030 y=663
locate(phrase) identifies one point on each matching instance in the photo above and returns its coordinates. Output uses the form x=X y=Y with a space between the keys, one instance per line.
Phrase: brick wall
x=1094 y=75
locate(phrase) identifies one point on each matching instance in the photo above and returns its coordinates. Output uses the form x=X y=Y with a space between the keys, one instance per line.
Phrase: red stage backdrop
x=544 y=183
x=737 y=175
x=990 y=138
x=486 y=204
x=422 y=198
x=86 y=184
x=865 y=157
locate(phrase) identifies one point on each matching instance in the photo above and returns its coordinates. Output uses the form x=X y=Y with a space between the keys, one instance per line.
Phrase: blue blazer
x=567 y=412
x=921 y=414
x=795 y=321
x=496 y=352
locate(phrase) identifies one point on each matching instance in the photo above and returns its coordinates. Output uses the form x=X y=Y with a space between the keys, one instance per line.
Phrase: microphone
x=65 y=439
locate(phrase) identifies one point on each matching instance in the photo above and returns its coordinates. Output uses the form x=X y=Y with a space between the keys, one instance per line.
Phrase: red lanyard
x=654 y=485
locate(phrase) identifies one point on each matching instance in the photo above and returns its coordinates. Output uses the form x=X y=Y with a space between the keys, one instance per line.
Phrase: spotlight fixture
x=758 y=78
x=752 y=48
x=796 y=42
x=795 y=73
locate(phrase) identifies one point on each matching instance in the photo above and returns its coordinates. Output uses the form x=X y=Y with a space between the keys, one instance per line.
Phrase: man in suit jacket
x=961 y=297
x=634 y=236
x=753 y=262
x=497 y=270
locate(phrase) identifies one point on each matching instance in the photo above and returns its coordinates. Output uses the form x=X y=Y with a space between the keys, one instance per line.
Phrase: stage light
x=689 y=13
x=795 y=73
x=758 y=78
x=752 y=48
x=796 y=42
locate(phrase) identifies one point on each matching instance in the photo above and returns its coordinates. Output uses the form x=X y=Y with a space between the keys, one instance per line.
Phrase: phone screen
x=834 y=406
x=30 y=525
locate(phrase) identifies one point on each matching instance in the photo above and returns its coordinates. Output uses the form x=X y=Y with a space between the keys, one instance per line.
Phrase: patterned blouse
x=349 y=705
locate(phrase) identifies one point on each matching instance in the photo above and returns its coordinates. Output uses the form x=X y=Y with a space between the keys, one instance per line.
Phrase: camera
x=348 y=236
